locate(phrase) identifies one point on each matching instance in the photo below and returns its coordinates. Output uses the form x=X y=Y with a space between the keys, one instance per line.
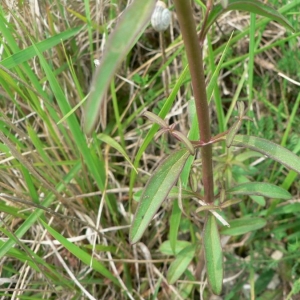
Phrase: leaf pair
x=171 y=129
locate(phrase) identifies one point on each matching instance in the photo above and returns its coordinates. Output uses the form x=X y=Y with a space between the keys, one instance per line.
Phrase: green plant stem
x=195 y=59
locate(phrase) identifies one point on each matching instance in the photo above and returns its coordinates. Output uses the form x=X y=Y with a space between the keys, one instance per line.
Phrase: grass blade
x=130 y=27
x=82 y=255
x=37 y=213
x=28 y=53
x=74 y=126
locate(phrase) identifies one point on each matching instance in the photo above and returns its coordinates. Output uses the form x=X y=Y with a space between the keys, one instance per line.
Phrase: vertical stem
x=195 y=59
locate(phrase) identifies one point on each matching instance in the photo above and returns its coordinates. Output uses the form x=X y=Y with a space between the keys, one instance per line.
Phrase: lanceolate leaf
x=260 y=189
x=243 y=225
x=130 y=27
x=26 y=54
x=180 y=264
x=213 y=254
x=252 y=6
x=156 y=191
x=270 y=149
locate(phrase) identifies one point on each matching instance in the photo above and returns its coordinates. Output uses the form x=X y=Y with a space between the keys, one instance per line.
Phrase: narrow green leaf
x=130 y=27
x=213 y=254
x=291 y=208
x=166 y=249
x=243 y=225
x=79 y=137
x=270 y=149
x=24 y=55
x=156 y=191
x=252 y=6
x=244 y=179
x=85 y=257
x=11 y=210
x=28 y=223
x=214 y=78
x=260 y=189
x=66 y=116
x=110 y=141
x=180 y=264
x=95 y=25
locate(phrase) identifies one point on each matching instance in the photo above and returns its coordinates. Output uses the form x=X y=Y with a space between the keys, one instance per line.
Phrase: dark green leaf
x=180 y=264
x=213 y=254
x=129 y=28
x=270 y=149
x=261 y=189
x=243 y=225
x=156 y=191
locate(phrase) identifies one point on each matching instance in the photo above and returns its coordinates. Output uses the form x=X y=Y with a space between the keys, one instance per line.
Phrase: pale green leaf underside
x=261 y=189
x=243 y=225
x=156 y=191
x=213 y=254
x=270 y=149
